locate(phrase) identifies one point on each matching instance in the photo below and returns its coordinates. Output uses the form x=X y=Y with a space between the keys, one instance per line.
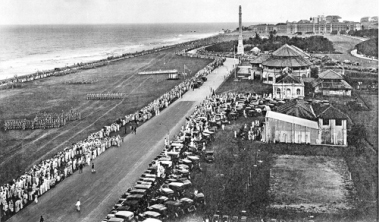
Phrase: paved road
x=117 y=169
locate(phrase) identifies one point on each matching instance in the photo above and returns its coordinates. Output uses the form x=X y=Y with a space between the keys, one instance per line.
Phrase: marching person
x=41 y=219
x=77 y=205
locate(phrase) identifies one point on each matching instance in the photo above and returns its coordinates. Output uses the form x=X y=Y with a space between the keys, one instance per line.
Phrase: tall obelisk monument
x=240 y=50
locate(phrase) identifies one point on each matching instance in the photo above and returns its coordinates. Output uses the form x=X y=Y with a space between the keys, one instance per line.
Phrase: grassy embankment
x=21 y=149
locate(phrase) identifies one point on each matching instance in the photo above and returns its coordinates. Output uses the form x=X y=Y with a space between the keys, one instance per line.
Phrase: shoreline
x=64 y=70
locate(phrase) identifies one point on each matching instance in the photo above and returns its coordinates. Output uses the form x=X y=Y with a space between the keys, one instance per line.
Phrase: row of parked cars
x=165 y=191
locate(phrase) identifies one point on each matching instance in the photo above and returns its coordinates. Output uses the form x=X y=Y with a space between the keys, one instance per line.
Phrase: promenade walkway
x=117 y=169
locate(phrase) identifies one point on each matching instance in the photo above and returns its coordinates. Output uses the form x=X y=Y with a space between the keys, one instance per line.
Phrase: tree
x=356 y=137
x=314 y=72
x=257 y=39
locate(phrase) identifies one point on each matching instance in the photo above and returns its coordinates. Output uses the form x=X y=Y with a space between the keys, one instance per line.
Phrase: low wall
x=308 y=150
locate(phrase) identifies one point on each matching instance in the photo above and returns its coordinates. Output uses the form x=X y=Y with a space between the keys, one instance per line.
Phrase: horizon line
x=142 y=23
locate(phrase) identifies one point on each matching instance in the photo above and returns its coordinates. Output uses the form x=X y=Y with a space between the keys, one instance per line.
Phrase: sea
x=26 y=49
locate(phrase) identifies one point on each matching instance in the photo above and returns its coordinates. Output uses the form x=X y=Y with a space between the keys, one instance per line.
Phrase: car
x=114 y=219
x=208 y=156
x=151 y=214
x=225 y=218
x=216 y=218
x=151 y=220
x=234 y=219
x=128 y=216
x=133 y=202
x=243 y=219
x=160 y=208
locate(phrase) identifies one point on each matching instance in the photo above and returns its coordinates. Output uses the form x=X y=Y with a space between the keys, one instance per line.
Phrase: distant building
x=369 y=22
x=316 y=25
x=331 y=83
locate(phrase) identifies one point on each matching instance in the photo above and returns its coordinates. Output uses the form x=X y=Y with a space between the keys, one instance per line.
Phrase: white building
x=290 y=129
x=298 y=122
x=288 y=87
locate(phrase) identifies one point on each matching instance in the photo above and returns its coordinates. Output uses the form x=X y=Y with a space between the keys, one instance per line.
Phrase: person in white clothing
x=78 y=205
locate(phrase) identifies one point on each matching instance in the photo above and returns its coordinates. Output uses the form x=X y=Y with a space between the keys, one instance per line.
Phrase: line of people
x=42 y=121
x=20 y=192
x=105 y=96
x=80 y=82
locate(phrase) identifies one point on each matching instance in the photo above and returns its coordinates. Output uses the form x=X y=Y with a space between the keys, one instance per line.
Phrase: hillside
x=368 y=47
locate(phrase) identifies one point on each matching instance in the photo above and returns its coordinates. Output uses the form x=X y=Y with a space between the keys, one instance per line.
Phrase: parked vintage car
x=208 y=156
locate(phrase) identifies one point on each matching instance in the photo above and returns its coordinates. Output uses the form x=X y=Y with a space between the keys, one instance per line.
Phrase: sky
x=177 y=11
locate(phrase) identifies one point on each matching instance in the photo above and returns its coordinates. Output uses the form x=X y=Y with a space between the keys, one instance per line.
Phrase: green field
x=21 y=149
x=312 y=184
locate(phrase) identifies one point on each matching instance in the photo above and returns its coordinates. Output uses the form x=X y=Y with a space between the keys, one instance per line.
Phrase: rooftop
x=289 y=79
x=261 y=58
x=298 y=108
x=328 y=112
x=330 y=74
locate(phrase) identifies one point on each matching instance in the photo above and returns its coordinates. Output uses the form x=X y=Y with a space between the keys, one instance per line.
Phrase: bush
x=368 y=48
x=334 y=32
x=371 y=33
x=222 y=47
x=318 y=44
x=314 y=72
x=343 y=32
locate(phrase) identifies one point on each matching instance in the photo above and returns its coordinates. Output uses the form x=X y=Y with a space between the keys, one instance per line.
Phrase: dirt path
x=117 y=168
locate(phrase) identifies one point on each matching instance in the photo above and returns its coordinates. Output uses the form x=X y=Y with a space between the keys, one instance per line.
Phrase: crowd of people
x=43 y=176
x=42 y=121
x=81 y=82
x=105 y=96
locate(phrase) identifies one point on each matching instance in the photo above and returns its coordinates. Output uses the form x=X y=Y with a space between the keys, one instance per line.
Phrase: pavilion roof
x=329 y=74
x=290 y=61
x=298 y=108
x=287 y=51
x=289 y=79
x=261 y=58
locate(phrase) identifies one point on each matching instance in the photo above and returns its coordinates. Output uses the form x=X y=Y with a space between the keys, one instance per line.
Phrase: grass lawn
x=368 y=118
x=311 y=184
x=21 y=149
x=232 y=183
x=254 y=86
x=344 y=45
